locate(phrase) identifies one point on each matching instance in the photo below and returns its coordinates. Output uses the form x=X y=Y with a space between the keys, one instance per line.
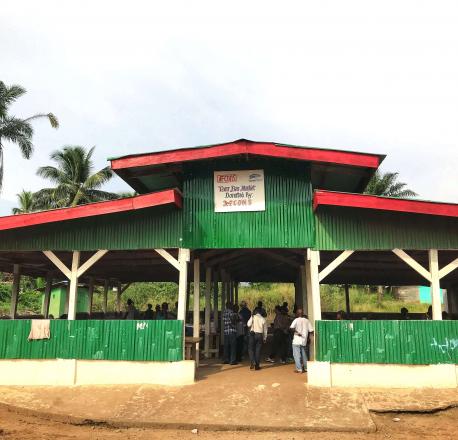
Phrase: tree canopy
x=386 y=184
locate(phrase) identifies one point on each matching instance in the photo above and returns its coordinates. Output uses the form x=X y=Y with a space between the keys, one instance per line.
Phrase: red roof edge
x=170 y=196
x=268 y=149
x=366 y=201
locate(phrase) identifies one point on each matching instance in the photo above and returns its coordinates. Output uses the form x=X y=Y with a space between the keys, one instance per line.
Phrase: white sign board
x=241 y=190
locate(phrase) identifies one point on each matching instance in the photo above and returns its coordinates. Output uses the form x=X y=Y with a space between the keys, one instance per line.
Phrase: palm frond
x=386 y=184
x=49 y=116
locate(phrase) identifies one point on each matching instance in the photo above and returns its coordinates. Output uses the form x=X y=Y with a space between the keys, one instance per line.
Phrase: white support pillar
x=67 y=299
x=304 y=295
x=90 y=294
x=208 y=280
x=183 y=259
x=106 y=286
x=47 y=298
x=15 y=290
x=196 y=314
x=73 y=274
x=73 y=291
x=435 y=284
x=313 y=261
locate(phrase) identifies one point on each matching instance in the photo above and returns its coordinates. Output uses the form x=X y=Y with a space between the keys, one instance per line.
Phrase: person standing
x=245 y=315
x=148 y=313
x=302 y=328
x=131 y=311
x=230 y=335
x=258 y=334
x=280 y=336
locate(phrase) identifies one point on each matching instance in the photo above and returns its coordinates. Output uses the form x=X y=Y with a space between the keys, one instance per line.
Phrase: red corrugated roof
x=243 y=146
x=367 y=201
x=171 y=196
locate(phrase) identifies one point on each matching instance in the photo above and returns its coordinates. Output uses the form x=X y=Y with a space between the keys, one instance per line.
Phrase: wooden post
x=208 y=280
x=90 y=294
x=223 y=304
x=106 y=286
x=215 y=301
x=183 y=258
x=298 y=291
x=196 y=315
x=73 y=292
x=15 y=290
x=347 y=299
x=435 y=284
x=118 y=297
x=47 y=298
x=236 y=290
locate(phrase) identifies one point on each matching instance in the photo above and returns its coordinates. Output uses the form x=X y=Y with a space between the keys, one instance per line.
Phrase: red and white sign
x=241 y=190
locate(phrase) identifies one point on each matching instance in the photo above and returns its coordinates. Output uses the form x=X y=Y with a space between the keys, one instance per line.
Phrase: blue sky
x=144 y=76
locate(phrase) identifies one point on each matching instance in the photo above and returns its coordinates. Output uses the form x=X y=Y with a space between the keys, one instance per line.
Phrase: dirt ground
x=441 y=425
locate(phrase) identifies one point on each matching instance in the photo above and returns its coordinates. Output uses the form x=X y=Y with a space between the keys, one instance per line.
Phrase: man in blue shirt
x=230 y=335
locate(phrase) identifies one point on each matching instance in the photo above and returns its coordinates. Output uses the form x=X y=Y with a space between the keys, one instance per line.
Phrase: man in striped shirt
x=230 y=335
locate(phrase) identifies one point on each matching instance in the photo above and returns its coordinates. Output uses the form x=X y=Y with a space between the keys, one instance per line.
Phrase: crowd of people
x=161 y=312
x=246 y=332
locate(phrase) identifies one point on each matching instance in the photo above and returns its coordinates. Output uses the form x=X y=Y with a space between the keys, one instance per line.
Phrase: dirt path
x=441 y=425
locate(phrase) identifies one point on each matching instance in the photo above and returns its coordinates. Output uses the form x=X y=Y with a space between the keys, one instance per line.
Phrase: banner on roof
x=241 y=190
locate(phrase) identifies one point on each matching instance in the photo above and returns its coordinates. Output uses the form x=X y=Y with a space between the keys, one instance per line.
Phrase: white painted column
x=208 y=280
x=47 y=298
x=196 y=314
x=315 y=284
x=183 y=258
x=15 y=290
x=73 y=291
x=304 y=295
x=435 y=284
x=106 y=286
x=90 y=295
x=67 y=298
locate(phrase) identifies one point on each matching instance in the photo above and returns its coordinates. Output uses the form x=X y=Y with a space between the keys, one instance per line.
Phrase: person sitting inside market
x=131 y=311
x=148 y=313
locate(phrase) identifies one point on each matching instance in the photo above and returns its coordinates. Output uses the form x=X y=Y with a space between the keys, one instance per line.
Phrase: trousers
x=254 y=347
x=230 y=348
x=300 y=358
x=279 y=344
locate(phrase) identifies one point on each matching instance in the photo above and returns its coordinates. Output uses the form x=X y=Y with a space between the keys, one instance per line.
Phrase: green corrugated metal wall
x=143 y=229
x=95 y=340
x=388 y=342
x=288 y=220
x=341 y=228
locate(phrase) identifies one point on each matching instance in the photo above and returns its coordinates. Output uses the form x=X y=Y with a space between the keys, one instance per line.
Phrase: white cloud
x=139 y=76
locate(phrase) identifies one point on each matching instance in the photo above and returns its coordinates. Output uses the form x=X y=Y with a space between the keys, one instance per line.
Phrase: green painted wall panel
x=343 y=228
x=388 y=342
x=91 y=339
x=142 y=229
x=287 y=222
x=58 y=300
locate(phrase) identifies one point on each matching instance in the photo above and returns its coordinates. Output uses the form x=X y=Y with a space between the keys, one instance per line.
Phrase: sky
x=138 y=76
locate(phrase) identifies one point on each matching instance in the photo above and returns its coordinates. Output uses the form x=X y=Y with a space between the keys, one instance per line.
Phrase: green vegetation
x=363 y=299
x=386 y=184
x=16 y=130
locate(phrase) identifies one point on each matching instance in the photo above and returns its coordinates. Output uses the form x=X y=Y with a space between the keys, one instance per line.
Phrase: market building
x=220 y=215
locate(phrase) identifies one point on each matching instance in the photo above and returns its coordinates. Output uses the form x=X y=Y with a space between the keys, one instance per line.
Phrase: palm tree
x=75 y=182
x=386 y=184
x=16 y=130
x=27 y=202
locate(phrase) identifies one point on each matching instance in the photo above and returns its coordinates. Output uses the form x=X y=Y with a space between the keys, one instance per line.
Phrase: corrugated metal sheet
x=95 y=340
x=287 y=222
x=343 y=228
x=388 y=342
x=148 y=228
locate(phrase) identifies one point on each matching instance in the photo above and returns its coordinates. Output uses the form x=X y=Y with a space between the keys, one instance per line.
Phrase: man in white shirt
x=258 y=334
x=302 y=328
